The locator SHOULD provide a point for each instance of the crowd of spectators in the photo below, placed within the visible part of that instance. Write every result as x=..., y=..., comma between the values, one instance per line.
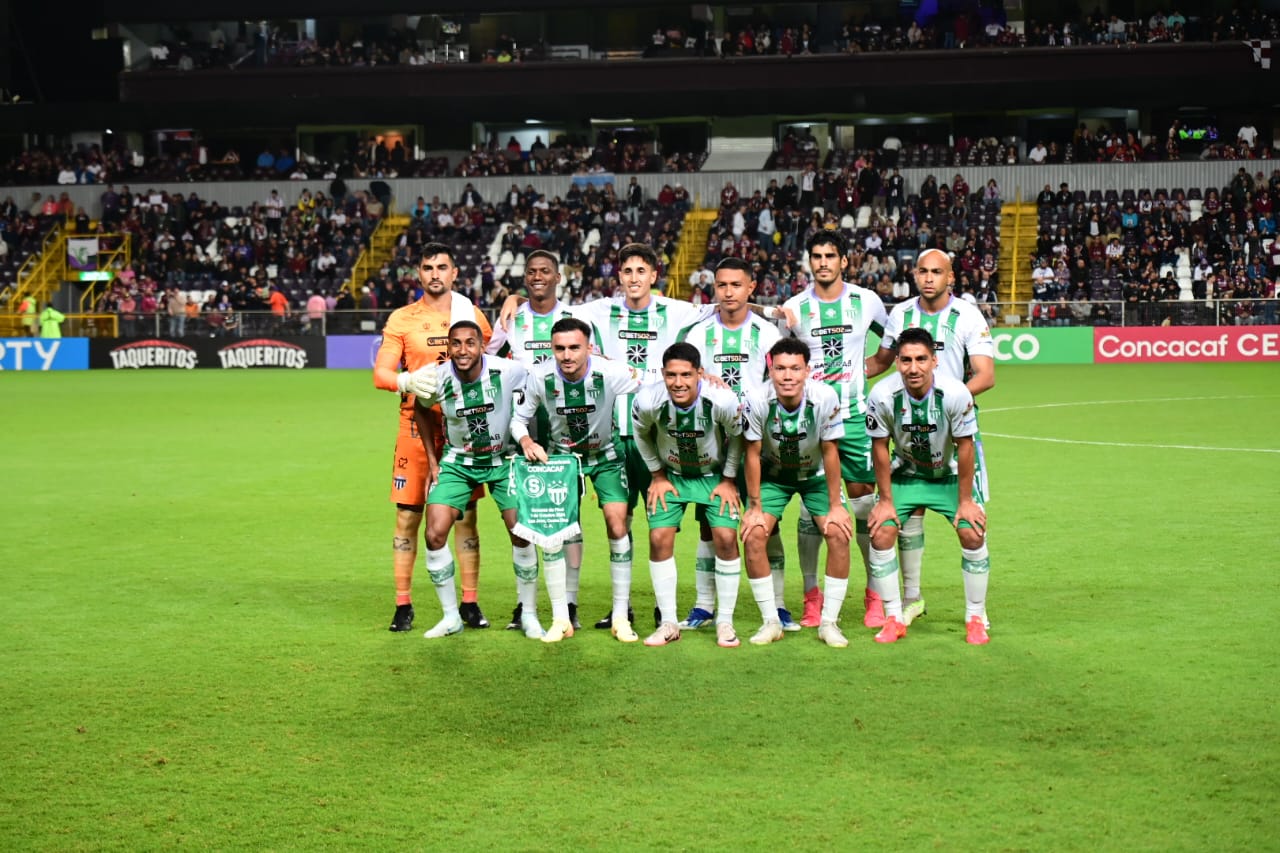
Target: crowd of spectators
x=630, y=154
x=1160, y=252
x=886, y=224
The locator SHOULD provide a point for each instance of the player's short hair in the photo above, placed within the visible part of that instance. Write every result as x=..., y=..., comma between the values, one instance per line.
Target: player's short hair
x=466, y=324
x=543, y=253
x=571, y=324
x=789, y=346
x=683, y=351
x=914, y=335
x=430, y=250
x=734, y=264
x=638, y=250
x=825, y=237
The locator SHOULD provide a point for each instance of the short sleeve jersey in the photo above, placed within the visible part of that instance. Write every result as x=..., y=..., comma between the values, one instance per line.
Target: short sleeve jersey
x=637, y=338
x=417, y=335
x=529, y=339
x=791, y=440
x=477, y=415
x=734, y=355
x=691, y=442
x=836, y=333
x=923, y=431
x=580, y=413
x=959, y=332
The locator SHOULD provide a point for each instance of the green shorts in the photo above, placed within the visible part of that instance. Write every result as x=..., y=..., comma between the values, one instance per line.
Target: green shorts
x=855, y=452
x=775, y=496
x=695, y=491
x=609, y=480
x=456, y=482
x=638, y=476
x=941, y=496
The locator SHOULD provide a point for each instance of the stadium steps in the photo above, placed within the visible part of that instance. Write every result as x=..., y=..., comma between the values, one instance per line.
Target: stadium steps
x=1019, y=226
x=40, y=276
x=692, y=251
x=381, y=248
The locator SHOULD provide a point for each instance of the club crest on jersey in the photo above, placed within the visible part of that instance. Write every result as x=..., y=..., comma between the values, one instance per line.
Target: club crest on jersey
x=400, y=482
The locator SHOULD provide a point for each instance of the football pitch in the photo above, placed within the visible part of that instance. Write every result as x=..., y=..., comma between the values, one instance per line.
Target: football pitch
x=195, y=586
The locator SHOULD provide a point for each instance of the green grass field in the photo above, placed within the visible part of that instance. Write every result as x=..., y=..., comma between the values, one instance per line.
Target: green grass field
x=195, y=584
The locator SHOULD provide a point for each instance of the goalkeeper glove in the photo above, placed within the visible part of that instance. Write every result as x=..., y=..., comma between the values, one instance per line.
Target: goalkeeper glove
x=422, y=383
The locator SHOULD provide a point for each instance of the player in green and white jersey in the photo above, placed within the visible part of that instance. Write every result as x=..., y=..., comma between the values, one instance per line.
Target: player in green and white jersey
x=689, y=434
x=577, y=395
x=792, y=428
x=635, y=330
x=477, y=396
x=528, y=340
x=931, y=421
x=966, y=353
x=732, y=342
x=834, y=318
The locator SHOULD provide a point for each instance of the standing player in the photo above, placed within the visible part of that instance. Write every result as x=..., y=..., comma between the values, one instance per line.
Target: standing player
x=689, y=435
x=792, y=431
x=966, y=354
x=577, y=395
x=931, y=419
x=833, y=317
x=732, y=343
x=476, y=395
x=416, y=336
x=636, y=330
x=528, y=340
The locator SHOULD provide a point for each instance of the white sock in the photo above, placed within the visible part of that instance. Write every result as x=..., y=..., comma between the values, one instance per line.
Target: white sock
x=833, y=593
x=976, y=566
x=727, y=577
x=911, y=548
x=860, y=509
x=663, y=573
x=704, y=576
x=441, y=569
x=553, y=572
x=573, y=560
x=884, y=580
x=762, y=589
x=808, y=540
x=620, y=573
x=525, y=561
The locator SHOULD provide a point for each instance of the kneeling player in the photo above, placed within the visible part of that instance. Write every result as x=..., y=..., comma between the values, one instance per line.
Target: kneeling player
x=932, y=423
x=476, y=395
x=689, y=435
x=792, y=427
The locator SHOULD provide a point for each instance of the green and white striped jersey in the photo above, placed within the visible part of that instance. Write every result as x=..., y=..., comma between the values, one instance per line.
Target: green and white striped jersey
x=638, y=338
x=836, y=333
x=477, y=415
x=959, y=331
x=580, y=414
x=923, y=431
x=791, y=441
x=700, y=441
x=529, y=338
x=734, y=355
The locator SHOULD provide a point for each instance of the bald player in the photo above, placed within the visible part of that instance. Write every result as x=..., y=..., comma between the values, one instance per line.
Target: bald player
x=966, y=353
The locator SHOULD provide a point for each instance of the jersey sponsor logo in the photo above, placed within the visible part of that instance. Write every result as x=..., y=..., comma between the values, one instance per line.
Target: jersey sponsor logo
x=153, y=353
x=537, y=344
x=475, y=410
x=686, y=433
x=824, y=331
x=630, y=335
x=263, y=352
x=731, y=357
x=793, y=437
x=919, y=427
x=575, y=410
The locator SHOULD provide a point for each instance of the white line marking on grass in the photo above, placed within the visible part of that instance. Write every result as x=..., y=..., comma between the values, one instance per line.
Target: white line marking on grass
x=986, y=411
x=985, y=434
